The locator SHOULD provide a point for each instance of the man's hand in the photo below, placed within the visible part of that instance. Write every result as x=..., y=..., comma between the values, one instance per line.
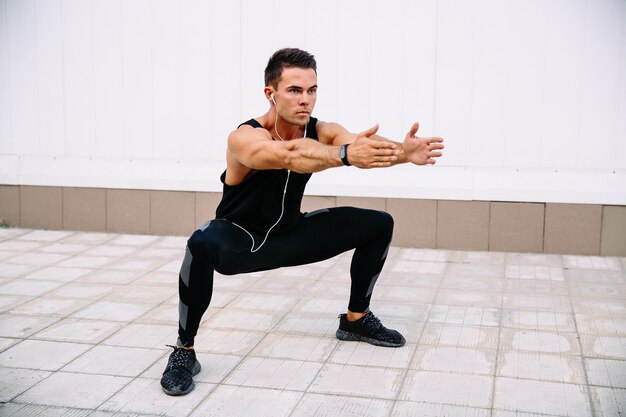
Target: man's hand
x=371, y=153
x=421, y=151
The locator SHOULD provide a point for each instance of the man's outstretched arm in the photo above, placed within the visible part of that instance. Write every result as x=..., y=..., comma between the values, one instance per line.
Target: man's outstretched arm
x=419, y=151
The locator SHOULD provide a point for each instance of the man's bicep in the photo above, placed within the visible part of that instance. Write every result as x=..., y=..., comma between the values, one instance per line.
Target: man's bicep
x=332, y=133
x=254, y=149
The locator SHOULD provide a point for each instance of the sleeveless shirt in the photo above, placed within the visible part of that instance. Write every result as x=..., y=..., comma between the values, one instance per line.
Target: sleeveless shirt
x=255, y=204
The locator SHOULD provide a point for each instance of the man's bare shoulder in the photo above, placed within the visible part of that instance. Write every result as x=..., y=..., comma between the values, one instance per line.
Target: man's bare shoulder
x=328, y=131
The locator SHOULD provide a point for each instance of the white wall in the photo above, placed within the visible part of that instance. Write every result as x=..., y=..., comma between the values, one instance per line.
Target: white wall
x=530, y=95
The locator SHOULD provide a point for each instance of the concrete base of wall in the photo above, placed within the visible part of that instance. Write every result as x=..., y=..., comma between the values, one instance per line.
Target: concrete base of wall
x=470, y=225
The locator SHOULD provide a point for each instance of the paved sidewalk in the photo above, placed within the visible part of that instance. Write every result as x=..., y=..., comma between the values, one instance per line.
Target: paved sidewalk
x=85, y=317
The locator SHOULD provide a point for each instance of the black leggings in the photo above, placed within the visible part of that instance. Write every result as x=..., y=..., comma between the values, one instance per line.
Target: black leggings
x=221, y=246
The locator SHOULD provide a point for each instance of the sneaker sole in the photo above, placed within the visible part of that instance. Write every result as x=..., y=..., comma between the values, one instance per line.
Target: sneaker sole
x=175, y=392
x=355, y=337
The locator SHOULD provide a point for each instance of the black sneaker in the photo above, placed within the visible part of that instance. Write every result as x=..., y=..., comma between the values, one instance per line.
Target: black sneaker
x=181, y=367
x=368, y=329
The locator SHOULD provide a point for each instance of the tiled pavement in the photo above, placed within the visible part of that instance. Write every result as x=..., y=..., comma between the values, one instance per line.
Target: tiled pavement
x=85, y=317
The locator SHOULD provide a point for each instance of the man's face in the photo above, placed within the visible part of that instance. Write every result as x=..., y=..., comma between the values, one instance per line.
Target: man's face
x=296, y=95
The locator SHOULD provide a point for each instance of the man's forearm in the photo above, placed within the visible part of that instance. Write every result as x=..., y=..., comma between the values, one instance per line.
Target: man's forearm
x=401, y=155
x=307, y=156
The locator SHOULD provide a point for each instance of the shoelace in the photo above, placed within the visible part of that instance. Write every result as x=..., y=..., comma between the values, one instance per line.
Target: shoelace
x=180, y=357
x=375, y=321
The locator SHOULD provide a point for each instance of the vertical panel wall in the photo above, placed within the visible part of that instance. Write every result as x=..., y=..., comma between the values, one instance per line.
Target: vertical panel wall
x=529, y=95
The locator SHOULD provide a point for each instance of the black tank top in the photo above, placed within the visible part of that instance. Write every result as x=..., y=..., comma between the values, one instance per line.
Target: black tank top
x=255, y=204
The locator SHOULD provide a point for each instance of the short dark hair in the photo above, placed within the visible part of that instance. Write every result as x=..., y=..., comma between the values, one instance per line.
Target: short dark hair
x=287, y=58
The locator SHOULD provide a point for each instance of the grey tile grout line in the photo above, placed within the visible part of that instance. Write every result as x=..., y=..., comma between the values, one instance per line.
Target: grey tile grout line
x=583, y=359
x=496, y=361
x=426, y=321
x=247, y=355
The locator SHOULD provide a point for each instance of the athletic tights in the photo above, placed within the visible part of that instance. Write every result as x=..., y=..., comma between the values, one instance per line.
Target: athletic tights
x=221, y=246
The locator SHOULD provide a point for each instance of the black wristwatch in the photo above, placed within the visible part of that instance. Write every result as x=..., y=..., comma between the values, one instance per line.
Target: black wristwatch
x=343, y=154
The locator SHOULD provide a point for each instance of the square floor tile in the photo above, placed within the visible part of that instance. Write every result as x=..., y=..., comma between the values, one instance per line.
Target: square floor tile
x=411, y=409
x=150, y=336
x=264, y=302
x=534, y=259
x=55, y=273
x=455, y=360
x=274, y=373
x=27, y=287
x=10, y=302
x=606, y=372
x=358, y=381
x=112, y=311
x=484, y=337
x=490, y=271
x=41, y=355
x=224, y=341
x=297, y=347
x=19, y=246
x=111, y=277
x=418, y=267
x=245, y=320
x=8, y=270
x=542, y=367
x=599, y=306
x=37, y=259
x=434, y=387
x=23, y=326
x=469, y=298
x=536, y=341
x=368, y=355
x=144, y=395
x=46, y=235
x=134, y=240
x=464, y=315
x=464, y=282
x=142, y=294
x=79, y=331
x=111, y=251
x=539, y=320
x=229, y=401
x=603, y=346
x=548, y=398
x=313, y=405
x=401, y=312
x=609, y=401
x=601, y=326
x=64, y=248
x=595, y=276
x=515, y=301
x=478, y=257
x=84, y=261
x=601, y=290
x=114, y=360
x=15, y=381
x=591, y=262
x=83, y=291
x=535, y=272
x=90, y=238
x=394, y=293
x=88, y=391
x=536, y=287
x=48, y=306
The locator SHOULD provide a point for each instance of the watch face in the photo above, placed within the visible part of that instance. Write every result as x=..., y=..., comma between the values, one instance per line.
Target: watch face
x=342, y=152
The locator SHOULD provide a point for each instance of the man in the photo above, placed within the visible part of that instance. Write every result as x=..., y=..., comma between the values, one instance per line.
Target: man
x=259, y=225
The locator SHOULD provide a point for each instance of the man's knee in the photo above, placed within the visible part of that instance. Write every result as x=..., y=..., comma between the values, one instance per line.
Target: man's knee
x=387, y=222
x=202, y=242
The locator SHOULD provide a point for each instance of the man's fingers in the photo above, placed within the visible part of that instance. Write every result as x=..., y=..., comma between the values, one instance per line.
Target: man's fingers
x=369, y=132
x=413, y=130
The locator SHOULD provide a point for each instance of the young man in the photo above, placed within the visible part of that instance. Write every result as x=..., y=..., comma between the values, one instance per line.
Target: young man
x=259, y=225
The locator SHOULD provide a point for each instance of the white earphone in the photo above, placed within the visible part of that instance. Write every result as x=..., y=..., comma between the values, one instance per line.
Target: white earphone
x=282, y=208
